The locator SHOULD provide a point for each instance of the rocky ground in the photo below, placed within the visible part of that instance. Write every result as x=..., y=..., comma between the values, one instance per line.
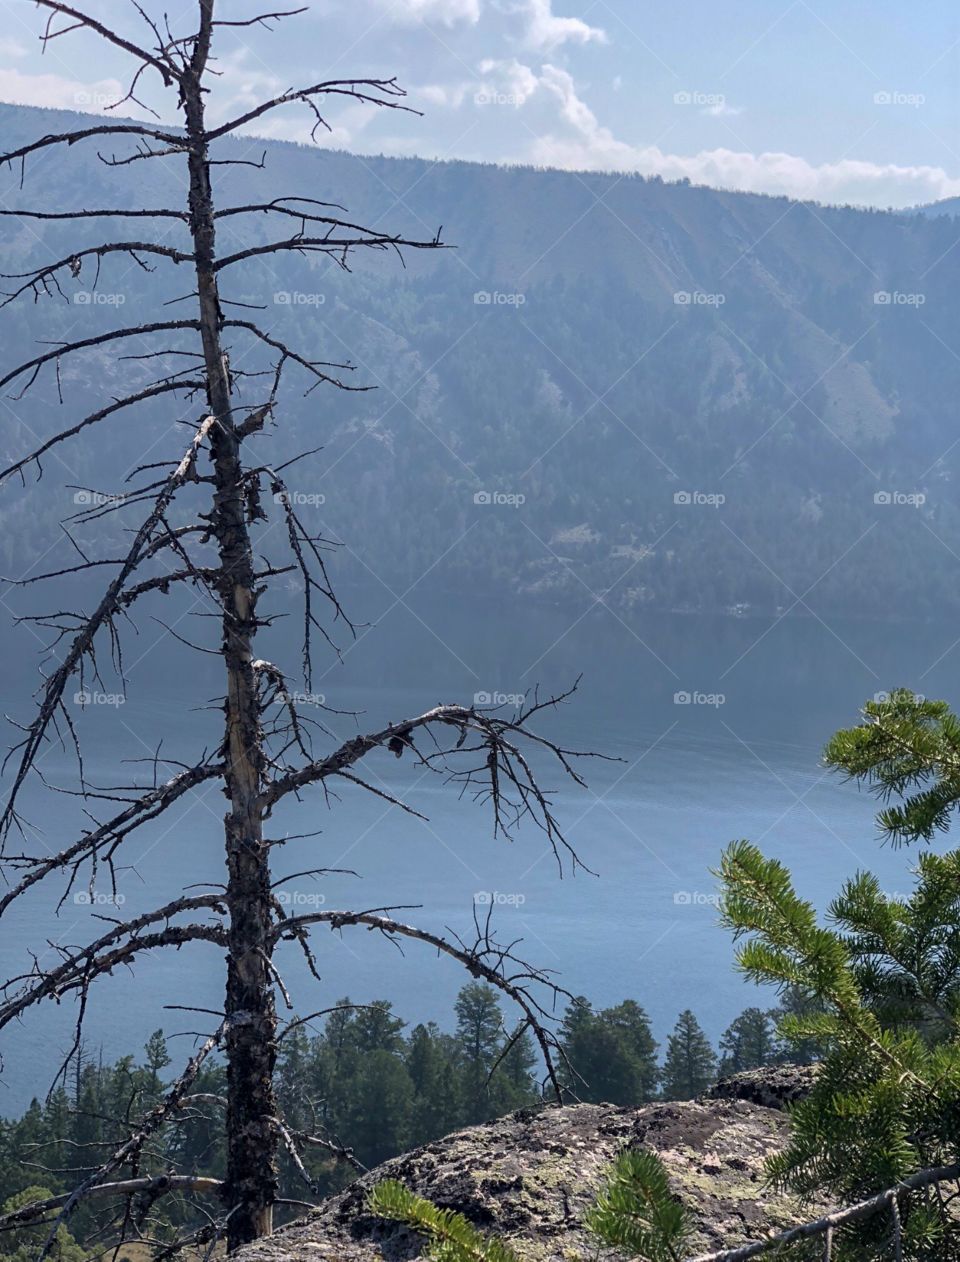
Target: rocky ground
x=530, y=1177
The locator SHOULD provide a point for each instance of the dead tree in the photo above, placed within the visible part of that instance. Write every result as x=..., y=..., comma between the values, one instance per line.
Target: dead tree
x=263, y=759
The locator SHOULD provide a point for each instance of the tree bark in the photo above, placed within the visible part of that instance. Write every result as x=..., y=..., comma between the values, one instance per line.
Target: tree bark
x=251, y=1183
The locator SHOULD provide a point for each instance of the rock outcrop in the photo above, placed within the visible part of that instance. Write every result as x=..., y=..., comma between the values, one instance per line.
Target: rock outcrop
x=774, y=1086
x=530, y=1178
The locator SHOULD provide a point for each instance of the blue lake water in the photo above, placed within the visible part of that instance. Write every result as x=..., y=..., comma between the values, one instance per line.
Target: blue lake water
x=694, y=776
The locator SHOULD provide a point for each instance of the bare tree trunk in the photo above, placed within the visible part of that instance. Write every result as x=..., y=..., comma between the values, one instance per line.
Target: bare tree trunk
x=251, y=1021
x=267, y=751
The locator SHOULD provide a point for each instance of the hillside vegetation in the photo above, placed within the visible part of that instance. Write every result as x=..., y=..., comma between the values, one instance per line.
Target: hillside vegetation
x=662, y=395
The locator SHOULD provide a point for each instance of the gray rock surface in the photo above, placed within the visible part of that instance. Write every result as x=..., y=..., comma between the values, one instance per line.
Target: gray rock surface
x=530, y=1178
x=774, y=1086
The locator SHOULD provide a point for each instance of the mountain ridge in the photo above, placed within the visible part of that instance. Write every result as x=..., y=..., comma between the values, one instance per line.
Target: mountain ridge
x=597, y=345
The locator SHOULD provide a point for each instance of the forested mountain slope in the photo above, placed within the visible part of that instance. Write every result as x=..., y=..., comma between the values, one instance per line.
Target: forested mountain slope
x=661, y=395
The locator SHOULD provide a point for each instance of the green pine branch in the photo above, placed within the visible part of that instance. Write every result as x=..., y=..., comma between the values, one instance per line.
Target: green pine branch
x=905, y=747
x=450, y=1237
x=636, y=1212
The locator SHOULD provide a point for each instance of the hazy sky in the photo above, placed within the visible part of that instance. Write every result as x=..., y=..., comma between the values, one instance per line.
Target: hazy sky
x=839, y=100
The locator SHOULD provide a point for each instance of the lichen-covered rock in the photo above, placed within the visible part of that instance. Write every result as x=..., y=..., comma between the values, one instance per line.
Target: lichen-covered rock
x=773, y=1086
x=531, y=1177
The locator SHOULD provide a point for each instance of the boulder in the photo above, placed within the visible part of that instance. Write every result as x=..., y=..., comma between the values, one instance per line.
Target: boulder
x=774, y=1086
x=531, y=1177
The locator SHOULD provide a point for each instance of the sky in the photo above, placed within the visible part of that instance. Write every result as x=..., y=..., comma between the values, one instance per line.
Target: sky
x=832, y=100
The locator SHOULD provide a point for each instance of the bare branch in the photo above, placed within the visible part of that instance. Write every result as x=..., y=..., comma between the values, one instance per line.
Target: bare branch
x=68, y=348
x=151, y=392
x=132, y=1146
x=314, y=367
x=175, y=143
x=165, y=69
x=38, y=280
x=263, y=18
x=386, y=93
x=503, y=775
x=122, y=1187
x=145, y=808
x=97, y=214
x=81, y=646
x=837, y=1217
x=485, y=960
x=332, y=1146
x=80, y=968
x=331, y=244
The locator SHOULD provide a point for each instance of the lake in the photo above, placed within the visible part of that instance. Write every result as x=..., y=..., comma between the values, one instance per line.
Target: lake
x=718, y=726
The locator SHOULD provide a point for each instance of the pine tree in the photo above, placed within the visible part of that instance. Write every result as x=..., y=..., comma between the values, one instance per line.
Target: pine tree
x=749, y=1042
x=376, y=1113
x=24, y=1244
x=157, y=1057
x=806, y=1050
x=883, y=981
x=374, y=1028
x=612, y=1054
x=513, y=1080
x=437, y=1105
x=480, y=1036
x=690, y=1065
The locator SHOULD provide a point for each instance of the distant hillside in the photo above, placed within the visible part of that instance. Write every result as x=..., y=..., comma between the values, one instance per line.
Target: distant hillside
x=948, y=206
x=655, y=394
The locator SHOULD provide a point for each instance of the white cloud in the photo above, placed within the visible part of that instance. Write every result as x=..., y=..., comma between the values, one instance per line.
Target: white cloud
x=436, y=93
x=449, y=12
x=58, y=92
x=508, y=78
x=499, y=81
x=546, y=31
x=586, y=144
x=450, y=94
x=241, y=86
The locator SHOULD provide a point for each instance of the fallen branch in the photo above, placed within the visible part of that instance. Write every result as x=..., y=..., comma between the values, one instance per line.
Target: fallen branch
x=836, y=1218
